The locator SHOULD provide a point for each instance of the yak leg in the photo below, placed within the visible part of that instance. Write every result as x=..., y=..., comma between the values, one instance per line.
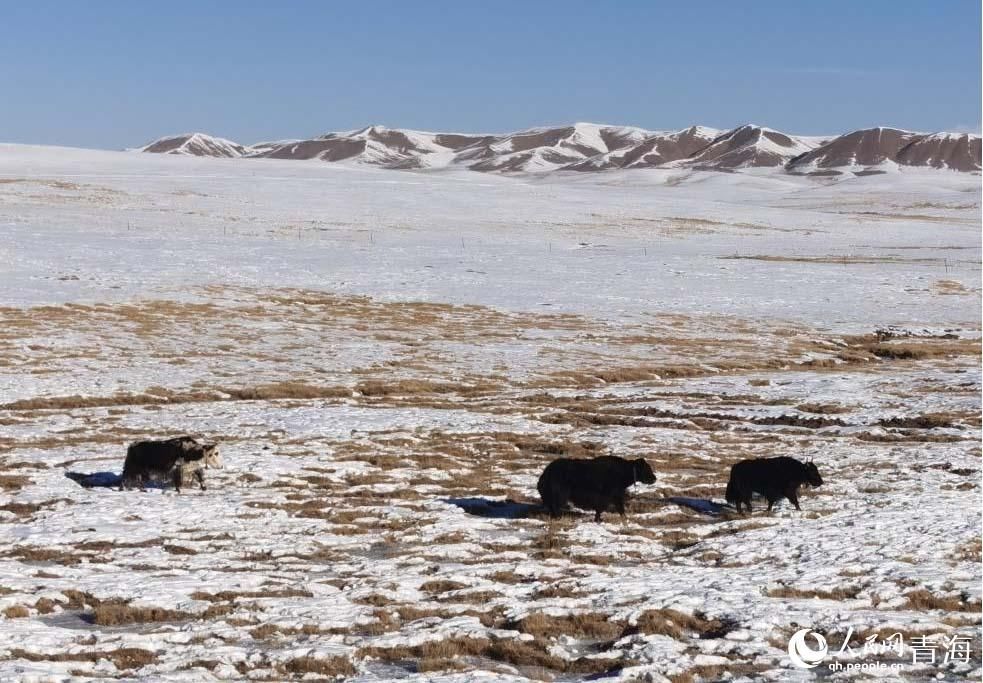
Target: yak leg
x=793, y=496
x=552, y=507
x=619, y=505
x=177, y=478
x=556, y=500
x=200, y=476
x=555, y=504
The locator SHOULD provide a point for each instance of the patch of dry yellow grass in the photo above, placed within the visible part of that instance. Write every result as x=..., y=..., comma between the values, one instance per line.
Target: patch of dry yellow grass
x=838, y=593
x=923, y=599
x=125, y=658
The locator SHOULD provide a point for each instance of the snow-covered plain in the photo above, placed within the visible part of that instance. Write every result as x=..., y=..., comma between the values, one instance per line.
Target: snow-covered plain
x=387, y=357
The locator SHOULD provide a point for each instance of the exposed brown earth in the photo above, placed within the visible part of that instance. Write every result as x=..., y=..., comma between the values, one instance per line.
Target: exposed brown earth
x=874, y=146
x=196, y=144
x=739, y=148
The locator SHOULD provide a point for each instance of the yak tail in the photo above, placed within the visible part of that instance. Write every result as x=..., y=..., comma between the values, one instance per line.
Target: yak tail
x=731, y=494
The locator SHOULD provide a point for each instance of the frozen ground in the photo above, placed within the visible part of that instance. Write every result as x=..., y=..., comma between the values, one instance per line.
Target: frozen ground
x=387, y=358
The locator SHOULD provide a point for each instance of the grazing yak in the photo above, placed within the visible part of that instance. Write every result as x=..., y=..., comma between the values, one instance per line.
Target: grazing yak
x=178, y=459
x=773, y=478
x=596, y=484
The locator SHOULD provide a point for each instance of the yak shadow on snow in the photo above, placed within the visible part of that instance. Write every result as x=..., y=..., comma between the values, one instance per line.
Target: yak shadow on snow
x=95, y=479
x=79, y=620
x=109, y=480
x=510, y=509
x=701, y=505
x=497, y=509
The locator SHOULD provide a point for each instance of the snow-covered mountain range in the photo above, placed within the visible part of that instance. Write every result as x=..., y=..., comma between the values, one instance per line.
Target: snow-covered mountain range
x=593, y=147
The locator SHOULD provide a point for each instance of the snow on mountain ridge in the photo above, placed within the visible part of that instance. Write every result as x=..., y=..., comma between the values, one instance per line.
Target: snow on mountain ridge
x=746, y=146
x=873, y=150
x=585, y=146
x=195, y=144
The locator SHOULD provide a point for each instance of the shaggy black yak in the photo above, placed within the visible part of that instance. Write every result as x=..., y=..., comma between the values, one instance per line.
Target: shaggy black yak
x=177, y=459
x=596, y=484
x=773, y=478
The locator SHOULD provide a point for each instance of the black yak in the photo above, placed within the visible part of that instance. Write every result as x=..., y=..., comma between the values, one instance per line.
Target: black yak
x=178, y=459
x=773, y=478
x=596, y=484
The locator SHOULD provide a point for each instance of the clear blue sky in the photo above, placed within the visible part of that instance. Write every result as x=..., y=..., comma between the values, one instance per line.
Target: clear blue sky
x=115, y=74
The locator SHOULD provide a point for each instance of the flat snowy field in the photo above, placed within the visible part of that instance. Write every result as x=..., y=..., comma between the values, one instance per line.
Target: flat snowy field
x=389, y=359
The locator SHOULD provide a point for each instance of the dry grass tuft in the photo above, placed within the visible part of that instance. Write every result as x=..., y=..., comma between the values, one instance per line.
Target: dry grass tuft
x=207, y=664
x=231, y=596
x=410, y=387
x=678, y=540
x=514, y=652
x=472, y=598
x=76, y=401
x=438, y=664
x=719, y=672
x=970, y=551
x=56, y=555
x=950, y=287
x=160, y=396
x=45, y=605
x=557, y=590
x=510, y=577
x=16, y=612
x=28, y=509
x=838, y=593
x=678, y=625
x=20, y=509
x=286, y=390
x=179, y=549
x=591, y=625
x=409, y=613
x=900, y=437
x=442, y=586
x=924, y=421
x=913, y=351
x=333, y=667
x=14, y=482
x=923, y=599
x=549, y=543
x=120, y=614
x=124, y=659
x=374, y=599
x=106, y=546
x=823, y=408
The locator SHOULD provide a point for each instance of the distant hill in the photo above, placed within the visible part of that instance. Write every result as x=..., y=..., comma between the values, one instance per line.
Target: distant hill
x=589, y=147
